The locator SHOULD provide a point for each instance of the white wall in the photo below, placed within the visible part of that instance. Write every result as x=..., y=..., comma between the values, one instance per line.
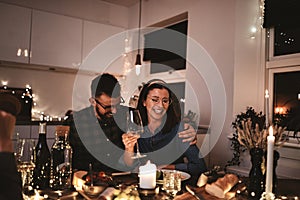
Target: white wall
x=249, y=71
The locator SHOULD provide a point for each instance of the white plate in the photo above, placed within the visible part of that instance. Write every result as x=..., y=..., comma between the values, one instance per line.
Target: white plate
x=184, y=175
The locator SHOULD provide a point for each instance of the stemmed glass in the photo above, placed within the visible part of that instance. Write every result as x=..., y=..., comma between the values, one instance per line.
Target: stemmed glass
x=135, y=127
x=25, y=163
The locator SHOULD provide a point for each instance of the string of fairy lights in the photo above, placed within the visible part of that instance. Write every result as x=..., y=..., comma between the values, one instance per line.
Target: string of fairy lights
x=29, y=98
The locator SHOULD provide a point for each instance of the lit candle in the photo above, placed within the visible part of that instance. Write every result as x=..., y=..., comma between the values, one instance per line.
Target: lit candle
x=267, y=107
x=270, y=151
x=147, y=175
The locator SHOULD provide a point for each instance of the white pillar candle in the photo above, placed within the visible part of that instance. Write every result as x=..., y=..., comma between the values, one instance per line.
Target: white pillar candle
x=147, y=175
x=267, y=107
x=270, y=152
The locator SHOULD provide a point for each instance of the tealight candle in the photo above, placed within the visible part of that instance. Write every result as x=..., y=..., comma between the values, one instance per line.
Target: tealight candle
x=147, y=175
x=270, y=151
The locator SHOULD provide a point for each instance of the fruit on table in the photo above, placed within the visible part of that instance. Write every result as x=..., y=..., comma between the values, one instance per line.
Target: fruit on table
x=97, y=177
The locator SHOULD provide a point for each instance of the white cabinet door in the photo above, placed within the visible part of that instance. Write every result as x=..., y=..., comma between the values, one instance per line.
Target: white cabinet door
x=15, y=32
x=94, y=34
x=56, y=40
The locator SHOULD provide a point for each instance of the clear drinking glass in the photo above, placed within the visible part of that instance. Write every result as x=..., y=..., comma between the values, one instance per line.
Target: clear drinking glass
x=135, y=127
x=171, y=182
x=25, y=163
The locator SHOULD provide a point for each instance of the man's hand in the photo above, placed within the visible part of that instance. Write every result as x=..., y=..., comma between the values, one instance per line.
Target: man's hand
x=7, y=126
x=188, y=134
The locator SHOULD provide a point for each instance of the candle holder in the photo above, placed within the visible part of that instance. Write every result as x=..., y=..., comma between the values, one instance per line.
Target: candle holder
x=267, y=196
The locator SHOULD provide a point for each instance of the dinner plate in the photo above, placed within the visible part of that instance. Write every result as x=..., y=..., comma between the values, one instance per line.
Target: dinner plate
x=184, y=176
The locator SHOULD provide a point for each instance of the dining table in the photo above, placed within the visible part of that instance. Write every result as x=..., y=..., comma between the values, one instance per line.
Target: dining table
x=128, y=182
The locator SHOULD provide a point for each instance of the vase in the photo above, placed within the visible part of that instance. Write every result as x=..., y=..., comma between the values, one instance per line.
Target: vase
x=276, y=157
x=256, y=178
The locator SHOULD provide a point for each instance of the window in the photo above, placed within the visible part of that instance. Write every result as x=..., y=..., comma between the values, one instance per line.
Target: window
x=282, y=21
x=287, y=98
x=283, y=17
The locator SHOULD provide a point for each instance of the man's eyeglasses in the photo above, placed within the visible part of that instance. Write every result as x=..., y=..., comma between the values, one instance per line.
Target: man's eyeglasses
x=108, y=108
x=165, y=101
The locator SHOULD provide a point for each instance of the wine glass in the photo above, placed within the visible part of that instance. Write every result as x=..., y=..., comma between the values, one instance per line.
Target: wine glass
x=135, y=127
x=25, y=164
x=171, y=182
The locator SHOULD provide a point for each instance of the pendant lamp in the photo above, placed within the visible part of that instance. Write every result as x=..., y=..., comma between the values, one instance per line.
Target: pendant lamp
x=138, y=61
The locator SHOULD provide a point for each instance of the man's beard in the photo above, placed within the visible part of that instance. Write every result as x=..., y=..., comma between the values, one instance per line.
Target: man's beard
x=106, y=117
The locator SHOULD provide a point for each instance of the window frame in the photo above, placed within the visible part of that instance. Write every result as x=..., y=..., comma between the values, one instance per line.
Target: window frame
x=280, y=64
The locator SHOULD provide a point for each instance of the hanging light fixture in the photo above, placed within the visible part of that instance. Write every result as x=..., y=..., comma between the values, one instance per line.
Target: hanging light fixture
x=138, y=61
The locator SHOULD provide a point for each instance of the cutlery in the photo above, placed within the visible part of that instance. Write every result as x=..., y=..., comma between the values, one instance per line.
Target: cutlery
x=189, y=189
x=120, y=173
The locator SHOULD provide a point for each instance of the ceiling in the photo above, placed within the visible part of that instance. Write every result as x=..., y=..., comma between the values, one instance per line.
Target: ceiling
x=126, y=3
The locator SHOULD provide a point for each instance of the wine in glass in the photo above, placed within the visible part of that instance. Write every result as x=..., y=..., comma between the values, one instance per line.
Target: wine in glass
x=25, y=164
x=135, y=127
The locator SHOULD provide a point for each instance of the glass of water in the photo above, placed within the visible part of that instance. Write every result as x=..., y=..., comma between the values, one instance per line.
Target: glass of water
x=171, y=182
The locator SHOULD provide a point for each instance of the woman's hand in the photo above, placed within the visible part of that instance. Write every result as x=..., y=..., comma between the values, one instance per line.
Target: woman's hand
x=129, y=141
x=188, y=134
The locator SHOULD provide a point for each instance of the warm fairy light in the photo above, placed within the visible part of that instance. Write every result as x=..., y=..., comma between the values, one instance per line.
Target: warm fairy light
x=4, y=83
x=253, y=29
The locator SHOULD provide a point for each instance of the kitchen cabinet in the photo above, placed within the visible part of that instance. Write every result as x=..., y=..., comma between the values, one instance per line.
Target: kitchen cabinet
x=56, y=40
x=95, y=33
x=52, y=40
x=15, y=25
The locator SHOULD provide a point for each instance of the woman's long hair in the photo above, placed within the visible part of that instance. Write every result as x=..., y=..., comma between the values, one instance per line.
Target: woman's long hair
x=173, y=114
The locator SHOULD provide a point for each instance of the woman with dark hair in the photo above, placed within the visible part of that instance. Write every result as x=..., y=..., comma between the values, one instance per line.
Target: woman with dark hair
x=160, y=141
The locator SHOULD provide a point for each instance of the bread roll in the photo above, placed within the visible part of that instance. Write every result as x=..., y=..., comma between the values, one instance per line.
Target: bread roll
x=222, y=185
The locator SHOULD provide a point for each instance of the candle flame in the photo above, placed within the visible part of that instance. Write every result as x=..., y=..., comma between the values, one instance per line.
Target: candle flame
x=266, y=94
x=271, y=131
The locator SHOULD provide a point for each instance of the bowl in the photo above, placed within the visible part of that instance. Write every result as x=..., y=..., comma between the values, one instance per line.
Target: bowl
x=94, y=190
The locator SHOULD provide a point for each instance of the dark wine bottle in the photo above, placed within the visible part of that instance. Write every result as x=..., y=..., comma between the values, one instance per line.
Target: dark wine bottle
x=41, y=173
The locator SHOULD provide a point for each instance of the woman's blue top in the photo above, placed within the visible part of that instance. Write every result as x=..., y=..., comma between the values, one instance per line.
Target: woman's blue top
x=167, y=148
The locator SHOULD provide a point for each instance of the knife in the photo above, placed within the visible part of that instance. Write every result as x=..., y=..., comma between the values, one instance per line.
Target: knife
x=198, y=197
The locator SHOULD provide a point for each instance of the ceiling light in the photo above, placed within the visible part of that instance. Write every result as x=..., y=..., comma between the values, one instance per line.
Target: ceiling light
x=138, y=62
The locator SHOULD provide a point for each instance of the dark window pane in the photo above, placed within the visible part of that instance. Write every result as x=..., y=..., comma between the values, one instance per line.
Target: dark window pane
x=286, y=99
x=287, y=40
